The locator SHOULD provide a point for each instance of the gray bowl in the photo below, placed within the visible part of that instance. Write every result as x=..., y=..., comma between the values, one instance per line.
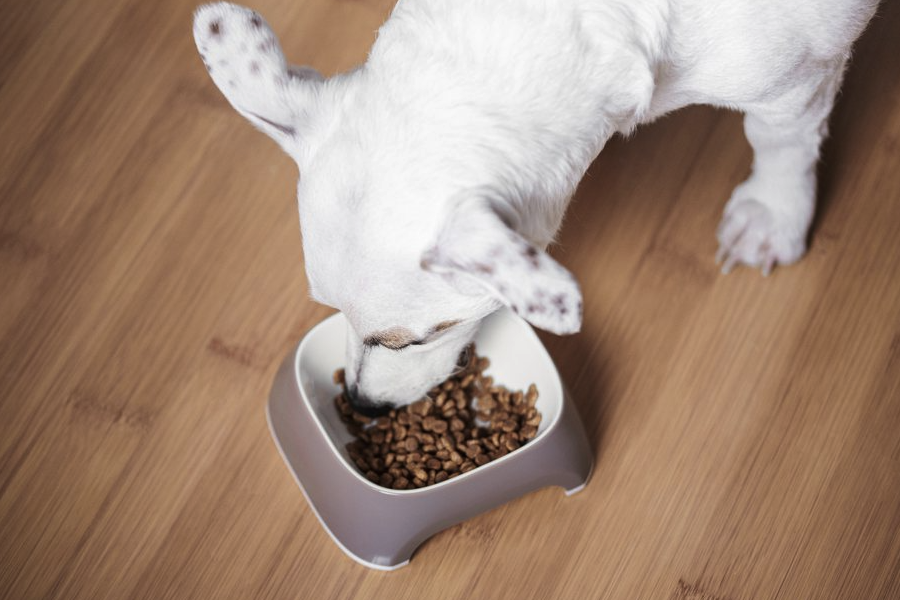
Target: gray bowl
x=379, y=527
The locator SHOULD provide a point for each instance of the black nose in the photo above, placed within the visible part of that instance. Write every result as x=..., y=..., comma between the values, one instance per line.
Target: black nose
x=366, y=407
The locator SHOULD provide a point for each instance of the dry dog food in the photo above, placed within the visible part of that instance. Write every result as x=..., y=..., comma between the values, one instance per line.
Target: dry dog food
x=460, y=425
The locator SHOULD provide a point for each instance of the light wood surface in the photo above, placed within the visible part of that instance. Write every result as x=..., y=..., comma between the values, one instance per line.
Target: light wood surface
x=747, y=430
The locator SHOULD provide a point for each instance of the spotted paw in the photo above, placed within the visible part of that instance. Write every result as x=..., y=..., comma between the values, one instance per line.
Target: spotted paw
x=754, y=235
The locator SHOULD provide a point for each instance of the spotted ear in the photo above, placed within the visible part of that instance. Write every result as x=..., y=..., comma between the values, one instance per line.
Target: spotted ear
x=245, y=61
x=475, y=245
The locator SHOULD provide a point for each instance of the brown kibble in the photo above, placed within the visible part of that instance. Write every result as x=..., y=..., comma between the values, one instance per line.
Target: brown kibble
x=360, y=418
x=531, y=395
x=420, y=407
x=528, y=431
x=438, y=437
x=486, y=403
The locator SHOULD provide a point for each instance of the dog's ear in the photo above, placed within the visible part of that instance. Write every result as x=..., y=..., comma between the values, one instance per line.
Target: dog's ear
x=475, y=245
x=245, y=61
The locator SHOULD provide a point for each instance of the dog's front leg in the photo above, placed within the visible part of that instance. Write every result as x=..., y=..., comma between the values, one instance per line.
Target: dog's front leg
x=767, y=219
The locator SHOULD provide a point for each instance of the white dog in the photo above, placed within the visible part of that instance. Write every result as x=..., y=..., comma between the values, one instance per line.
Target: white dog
x=433, y=177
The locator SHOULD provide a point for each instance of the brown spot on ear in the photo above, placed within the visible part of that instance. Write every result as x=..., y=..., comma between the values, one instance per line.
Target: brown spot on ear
x=256, y=21
x=254, y=68
x=559, y=301
x=531, y=254
x=215, y=27
x=267, y=46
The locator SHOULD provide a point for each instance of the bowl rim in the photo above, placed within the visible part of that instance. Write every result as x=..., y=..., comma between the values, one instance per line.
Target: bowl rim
x=502, y=313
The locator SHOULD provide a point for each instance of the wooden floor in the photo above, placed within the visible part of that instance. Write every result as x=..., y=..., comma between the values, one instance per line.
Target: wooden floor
x=747, y=431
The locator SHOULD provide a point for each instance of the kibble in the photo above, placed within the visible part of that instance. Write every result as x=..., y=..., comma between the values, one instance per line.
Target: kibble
x=461, y=424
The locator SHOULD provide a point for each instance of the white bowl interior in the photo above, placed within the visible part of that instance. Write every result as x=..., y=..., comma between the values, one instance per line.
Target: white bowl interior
x=517, y=357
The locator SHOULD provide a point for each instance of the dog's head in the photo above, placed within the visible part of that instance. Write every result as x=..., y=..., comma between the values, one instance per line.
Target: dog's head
x=397, y=234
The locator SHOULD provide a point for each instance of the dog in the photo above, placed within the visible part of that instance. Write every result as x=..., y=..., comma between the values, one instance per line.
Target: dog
x=434, y=176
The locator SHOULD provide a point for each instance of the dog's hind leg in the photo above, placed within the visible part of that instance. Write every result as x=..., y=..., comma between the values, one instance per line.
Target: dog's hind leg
x=767, y=219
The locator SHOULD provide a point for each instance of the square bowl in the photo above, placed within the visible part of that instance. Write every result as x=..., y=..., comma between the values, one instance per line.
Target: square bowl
x=381, y=527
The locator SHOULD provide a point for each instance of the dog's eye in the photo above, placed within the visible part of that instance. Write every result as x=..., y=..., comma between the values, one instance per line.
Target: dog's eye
x=393, y=339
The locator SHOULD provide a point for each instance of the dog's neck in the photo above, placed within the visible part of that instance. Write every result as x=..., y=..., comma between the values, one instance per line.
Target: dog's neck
x=493, y=78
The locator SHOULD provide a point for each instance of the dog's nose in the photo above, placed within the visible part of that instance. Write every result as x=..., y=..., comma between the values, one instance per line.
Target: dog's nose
x=366, y=407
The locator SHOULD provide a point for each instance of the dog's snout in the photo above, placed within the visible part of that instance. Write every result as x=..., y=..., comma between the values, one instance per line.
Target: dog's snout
x=364, y=406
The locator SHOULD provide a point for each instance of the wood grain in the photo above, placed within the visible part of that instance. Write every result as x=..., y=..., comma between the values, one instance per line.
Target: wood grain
x=747, y=431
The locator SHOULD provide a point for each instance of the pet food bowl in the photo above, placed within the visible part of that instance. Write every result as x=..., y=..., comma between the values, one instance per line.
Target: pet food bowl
x=380, y=527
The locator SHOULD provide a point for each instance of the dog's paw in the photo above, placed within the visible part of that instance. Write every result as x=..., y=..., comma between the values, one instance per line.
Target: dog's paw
x=753, y=234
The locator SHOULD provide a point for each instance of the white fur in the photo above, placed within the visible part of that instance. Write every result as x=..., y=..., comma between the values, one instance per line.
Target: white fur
x=435, y=175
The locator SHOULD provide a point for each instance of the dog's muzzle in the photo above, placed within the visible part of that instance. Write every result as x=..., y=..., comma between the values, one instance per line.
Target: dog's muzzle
x=366, y=407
